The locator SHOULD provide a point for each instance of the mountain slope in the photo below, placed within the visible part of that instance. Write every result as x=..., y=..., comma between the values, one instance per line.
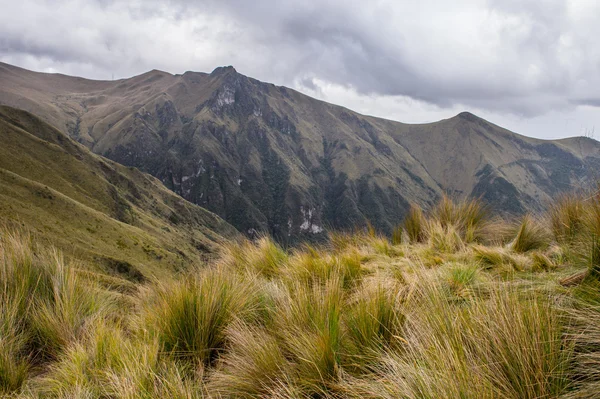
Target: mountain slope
x=269, y=158
x=96, y=209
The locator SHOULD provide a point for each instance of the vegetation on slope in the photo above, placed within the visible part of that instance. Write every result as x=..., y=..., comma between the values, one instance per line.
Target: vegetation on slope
x=115, y=218
x=452, y=314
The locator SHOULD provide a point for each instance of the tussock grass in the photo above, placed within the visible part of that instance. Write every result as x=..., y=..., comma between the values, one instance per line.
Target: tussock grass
x=191, y=317
x=62, y=317
x=501, y=347
x=497, y=232
x=567, y=217
x=253, y=367
x=531, y=235
x=453, y=309
x=311, y=267
x=111, y=364
x=263, y=257
x=414, y=224
x=461, y=278
x=309, y=325
x=490, y=256
x=398, y=235
x=468, y=217
x=14, y=365
x=374, y=323
x=444, y=238
x=584, y=332
x=45, y=307
x=541, y=262
x=500, y=259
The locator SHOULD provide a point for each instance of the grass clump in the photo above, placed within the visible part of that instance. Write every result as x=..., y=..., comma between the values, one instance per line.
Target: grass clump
x=14, y=364
x=62, y=316
x=109, y=363
x=265, y=256
x=461, y=278
x=191, y=317
x=444, y=238
x=414, y=224
x=398, y=235
x=254, y=365
x=468, y=217
x=45, y=307
x=374, y=323
x=501, y=347
x=531, y=235
x=310, y=327
x=312, y=267
x=567, y=217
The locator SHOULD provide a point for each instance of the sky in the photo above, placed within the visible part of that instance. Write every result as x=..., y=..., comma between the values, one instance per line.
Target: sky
x=532, y=66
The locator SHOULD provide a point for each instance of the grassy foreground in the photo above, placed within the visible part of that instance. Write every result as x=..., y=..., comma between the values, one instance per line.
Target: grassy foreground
x=455, y=305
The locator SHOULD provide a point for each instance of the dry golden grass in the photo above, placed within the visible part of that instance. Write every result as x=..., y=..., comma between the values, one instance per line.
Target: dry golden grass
x=360, y=318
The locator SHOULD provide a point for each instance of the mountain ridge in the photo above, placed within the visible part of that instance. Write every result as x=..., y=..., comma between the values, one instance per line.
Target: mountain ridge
x=269, y=158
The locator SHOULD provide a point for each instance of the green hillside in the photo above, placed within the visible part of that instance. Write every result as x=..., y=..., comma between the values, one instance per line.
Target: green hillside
x=116, y=217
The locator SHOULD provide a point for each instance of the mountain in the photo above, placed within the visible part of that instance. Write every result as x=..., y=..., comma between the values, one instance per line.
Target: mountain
x=103, y=212
x=268, y=158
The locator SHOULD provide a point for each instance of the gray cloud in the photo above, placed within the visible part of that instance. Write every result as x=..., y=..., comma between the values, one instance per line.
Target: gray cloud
x=511, y=56
x=523, y=58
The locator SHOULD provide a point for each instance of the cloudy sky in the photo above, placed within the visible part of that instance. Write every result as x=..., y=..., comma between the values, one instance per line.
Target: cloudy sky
x=532, y=66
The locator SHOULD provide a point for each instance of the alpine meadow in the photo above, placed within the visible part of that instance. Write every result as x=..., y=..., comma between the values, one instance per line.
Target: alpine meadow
x=167, y=233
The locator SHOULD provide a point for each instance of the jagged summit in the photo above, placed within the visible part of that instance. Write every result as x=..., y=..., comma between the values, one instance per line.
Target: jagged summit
x=223, y=69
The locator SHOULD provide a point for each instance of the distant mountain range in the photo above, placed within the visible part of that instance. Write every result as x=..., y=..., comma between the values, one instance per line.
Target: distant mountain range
x=270, y=159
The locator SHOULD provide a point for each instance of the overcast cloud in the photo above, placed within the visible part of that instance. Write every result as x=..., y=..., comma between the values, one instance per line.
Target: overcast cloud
x=530, y=66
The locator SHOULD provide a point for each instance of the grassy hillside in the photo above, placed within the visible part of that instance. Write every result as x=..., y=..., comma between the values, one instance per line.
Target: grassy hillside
x=457, y=305
x=268, y=158
x=117, y=218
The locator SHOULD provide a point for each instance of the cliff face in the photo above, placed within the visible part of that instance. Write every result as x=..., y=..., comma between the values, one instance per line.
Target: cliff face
x=268, y=158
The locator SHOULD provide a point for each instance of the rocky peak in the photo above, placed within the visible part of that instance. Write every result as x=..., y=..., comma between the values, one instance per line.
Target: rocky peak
x=468, y=116
x=222, y=70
